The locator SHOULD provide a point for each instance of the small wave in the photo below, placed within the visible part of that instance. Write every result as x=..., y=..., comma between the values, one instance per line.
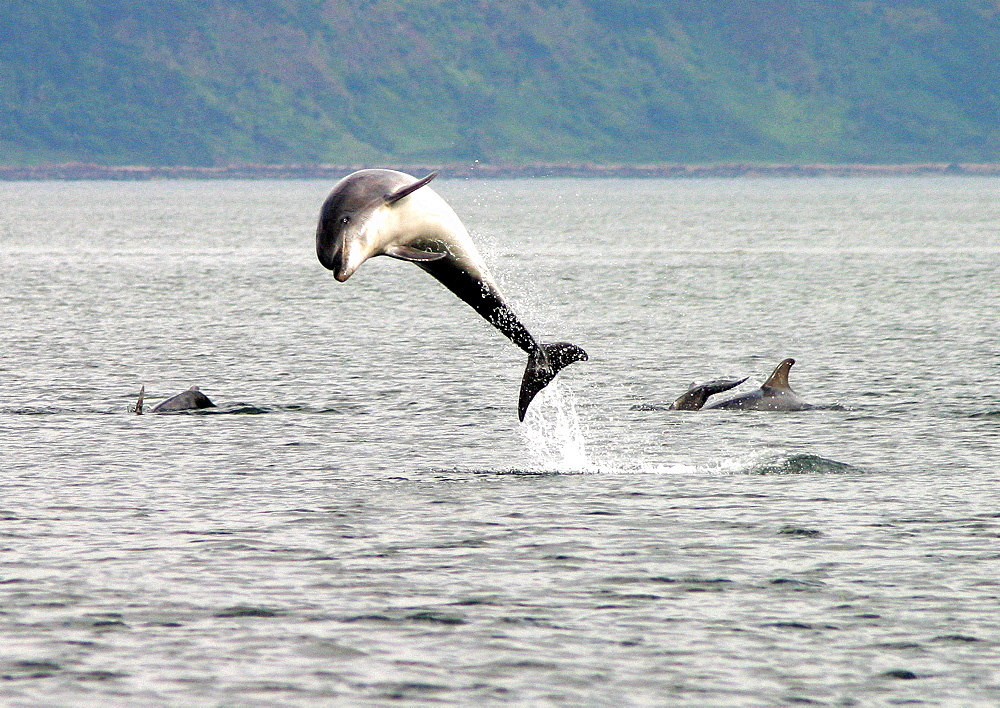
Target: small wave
x=248, y=611
x=516, y=472
x=50, y=410
x=612, y=467
x=245, y=409
x=429, y=616
x=253, y=409
x=33, y=411
x=985, y=414
x=747, y=464
x=232, y=409
x=801, y=464
x=832, y=407
x=752, y=464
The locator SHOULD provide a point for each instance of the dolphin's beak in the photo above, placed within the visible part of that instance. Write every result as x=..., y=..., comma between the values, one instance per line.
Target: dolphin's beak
x=332, y=259
x=341, y=273
x=339, y=263
x=330, y=252
x=339, y=250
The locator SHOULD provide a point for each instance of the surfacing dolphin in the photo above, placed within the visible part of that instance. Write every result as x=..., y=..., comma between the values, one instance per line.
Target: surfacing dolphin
x=694, y=398
x=379, y=212
x=192, y=399
x=774, y=395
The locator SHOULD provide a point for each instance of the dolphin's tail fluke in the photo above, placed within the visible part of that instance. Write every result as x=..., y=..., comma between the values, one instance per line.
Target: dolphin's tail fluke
x=543, y=365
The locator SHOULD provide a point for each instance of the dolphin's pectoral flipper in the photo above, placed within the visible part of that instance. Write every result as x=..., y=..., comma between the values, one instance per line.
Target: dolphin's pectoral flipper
x=543, y=365
x=408, y=253
x=694, y=398
x=719, y=385
x=138, y=403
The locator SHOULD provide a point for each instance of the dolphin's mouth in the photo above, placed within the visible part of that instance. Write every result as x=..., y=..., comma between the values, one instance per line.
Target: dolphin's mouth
x=341, y=267
x=334, y=261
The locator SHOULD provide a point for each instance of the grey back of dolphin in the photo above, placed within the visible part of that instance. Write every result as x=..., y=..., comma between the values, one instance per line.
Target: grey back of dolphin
x=379, y=212
x=774, y=395
x=192, y=399
x=694, y=398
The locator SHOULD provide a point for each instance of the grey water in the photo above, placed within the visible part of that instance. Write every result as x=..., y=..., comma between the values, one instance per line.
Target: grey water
x=363, y=520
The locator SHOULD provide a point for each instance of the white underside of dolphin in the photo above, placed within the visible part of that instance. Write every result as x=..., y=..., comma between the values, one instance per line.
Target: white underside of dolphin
x=380, y=212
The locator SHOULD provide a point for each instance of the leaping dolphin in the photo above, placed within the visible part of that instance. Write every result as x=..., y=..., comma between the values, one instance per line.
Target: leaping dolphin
x=774, y=395
x=377, y=212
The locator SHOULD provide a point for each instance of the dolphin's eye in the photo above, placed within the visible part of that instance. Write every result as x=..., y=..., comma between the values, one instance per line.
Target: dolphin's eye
x=345, y=219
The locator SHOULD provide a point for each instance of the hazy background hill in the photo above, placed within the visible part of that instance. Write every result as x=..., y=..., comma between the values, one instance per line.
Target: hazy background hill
x=337, y=81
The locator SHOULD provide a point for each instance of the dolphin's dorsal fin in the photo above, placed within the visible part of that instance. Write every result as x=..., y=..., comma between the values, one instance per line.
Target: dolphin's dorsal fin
x=779, y=377
x=409, y=253
x=409, y=189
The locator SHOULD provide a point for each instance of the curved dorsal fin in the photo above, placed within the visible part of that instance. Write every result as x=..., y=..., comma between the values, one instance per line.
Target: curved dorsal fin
x=409, y=189
x=779, y=377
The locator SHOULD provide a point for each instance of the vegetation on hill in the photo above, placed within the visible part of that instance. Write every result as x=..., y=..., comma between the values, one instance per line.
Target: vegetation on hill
x=365, y=81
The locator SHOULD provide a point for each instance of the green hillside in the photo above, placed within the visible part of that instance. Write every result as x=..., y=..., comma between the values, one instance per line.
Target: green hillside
x=517, y=81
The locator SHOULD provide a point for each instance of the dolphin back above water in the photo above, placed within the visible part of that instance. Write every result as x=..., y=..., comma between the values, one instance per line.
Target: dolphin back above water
x=379, y=212
x=192, y=399
x=774, y=395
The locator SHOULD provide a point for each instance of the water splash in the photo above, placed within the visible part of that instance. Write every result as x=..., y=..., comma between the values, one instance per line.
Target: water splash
x=556, y=439
x=552, y=431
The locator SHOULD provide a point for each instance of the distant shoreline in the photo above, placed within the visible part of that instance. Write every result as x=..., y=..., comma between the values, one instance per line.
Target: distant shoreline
x=88, y=171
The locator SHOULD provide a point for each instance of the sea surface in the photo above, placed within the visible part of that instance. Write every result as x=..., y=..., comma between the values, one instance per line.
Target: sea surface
x=363, y=521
